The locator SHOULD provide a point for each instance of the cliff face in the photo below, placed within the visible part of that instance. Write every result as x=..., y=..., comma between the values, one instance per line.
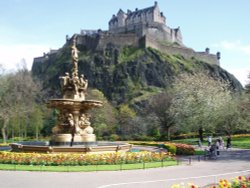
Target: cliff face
x=125, y=75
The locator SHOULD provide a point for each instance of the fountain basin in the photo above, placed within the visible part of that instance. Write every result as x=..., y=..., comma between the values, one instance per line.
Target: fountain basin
x=99, y=147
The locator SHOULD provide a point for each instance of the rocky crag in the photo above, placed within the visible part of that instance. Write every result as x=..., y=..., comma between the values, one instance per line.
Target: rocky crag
x=125, y=75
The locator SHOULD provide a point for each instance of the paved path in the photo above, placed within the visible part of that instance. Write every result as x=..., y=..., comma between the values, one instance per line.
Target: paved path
x=201, y=173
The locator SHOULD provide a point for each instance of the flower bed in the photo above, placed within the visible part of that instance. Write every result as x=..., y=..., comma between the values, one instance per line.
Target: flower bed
x=82, y=159
x=238, y=182
x=174, y=148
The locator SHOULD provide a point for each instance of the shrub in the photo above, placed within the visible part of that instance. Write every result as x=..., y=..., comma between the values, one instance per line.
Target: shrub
x=174, y=148
x=114, y=137
x=170, y=147
x=184, y=149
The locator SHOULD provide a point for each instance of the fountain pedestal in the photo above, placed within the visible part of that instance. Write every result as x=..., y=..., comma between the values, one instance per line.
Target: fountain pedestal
x=73, y=125
x=66, y=139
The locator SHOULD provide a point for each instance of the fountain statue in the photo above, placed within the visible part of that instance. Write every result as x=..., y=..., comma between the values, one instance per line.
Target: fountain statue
x=73, y=126
x=73, y=132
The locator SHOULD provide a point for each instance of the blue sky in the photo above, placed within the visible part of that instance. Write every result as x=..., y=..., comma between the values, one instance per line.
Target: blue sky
x=29, y=27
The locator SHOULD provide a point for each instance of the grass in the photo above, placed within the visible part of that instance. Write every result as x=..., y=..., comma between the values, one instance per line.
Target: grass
x=242, y=142
x=88, y=168
x=199, y=152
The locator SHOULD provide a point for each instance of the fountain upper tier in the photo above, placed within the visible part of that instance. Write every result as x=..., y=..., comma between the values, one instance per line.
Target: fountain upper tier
x=73, y=104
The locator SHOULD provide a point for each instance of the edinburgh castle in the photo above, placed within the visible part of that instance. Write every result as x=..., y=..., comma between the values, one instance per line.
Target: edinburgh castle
x=139, y=28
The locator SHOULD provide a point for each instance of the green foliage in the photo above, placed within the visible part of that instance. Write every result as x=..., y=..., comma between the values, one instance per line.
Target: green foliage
x=50, y=122
x=129, y=54
x=174, y=148
x=170, y=147
x=36, y=121
x=17, y=100
x=104, y=119
x=197, y=106
x=114, y=137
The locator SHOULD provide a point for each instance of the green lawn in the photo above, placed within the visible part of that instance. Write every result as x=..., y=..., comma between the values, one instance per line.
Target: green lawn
x=241, y=142
x=86, y=168
x=237, y=142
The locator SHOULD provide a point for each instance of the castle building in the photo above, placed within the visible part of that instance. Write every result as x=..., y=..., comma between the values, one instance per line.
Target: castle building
x=139, y=28
x=148, y=21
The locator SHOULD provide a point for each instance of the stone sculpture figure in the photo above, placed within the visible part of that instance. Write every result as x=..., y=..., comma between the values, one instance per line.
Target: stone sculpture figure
x=75, y=82
x=84, y=124
x=64, y=80
x=74, y=56
x=83, y=86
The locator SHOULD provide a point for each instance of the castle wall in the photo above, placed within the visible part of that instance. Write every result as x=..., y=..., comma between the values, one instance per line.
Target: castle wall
x=88, y=41
x=118, y=40
x=185, y=52
x=101, y=41
x=39, y=59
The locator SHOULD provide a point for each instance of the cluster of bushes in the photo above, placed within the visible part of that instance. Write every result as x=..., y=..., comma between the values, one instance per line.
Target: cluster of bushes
x=82, y=159
x=174, y=148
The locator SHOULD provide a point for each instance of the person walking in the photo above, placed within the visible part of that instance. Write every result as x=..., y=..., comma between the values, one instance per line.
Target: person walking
x=229, y=142
x=209, y=140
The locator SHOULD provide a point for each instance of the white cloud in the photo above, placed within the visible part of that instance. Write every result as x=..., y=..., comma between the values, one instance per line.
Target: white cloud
x=228, y=45
x=233, y=45
x=246, y=49
x=11, y=55
x=241, y=74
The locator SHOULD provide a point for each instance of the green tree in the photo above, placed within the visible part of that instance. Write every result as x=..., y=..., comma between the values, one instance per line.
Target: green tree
x=17, y=97
x=197, y=100
x=50, y=120
x=36, y=121
x=159, y=106
x=233, y=116
x=126, y=115
x=104, y=119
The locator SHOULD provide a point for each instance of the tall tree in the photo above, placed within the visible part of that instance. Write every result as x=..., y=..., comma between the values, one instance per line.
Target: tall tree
x=126, y=114
x=17, y=96
x=234, y=116
x=197, y=99
x=159, y=105
x=104, y=119
x=36, y=121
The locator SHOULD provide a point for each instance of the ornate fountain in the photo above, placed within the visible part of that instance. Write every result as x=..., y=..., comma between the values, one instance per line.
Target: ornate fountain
x=73, y=132
x=73, y=125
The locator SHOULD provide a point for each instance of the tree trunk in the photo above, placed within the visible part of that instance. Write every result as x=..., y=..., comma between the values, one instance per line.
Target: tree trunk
x=200, y=133
x=37, y=132
x=5, y=123
x=168, y=133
